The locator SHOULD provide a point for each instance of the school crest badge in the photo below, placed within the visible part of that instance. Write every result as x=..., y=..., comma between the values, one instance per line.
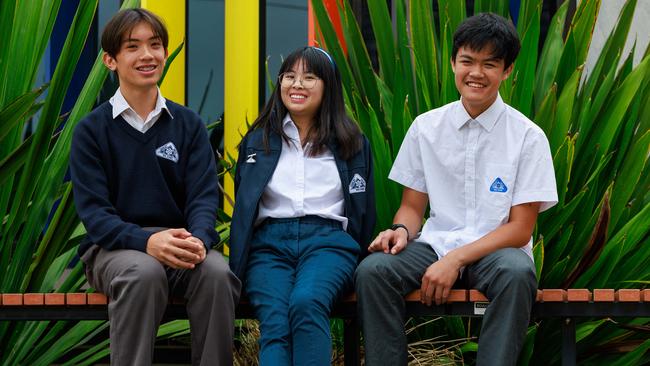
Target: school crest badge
x=498, y=186
x=168, y=151
x=358, y=184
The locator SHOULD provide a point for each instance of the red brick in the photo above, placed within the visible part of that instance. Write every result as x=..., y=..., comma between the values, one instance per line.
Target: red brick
x=628, y=295
x=578, y=295
x=645, y=295
x=97, y=298
x=604, y=295
x=75, y=299
x=477, y=296
x=33, y=299
x=12, y=299
x=554, y=295
x=54, y=299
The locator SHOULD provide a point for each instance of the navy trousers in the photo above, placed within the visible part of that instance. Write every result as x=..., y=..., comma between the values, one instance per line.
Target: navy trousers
x=297, y=269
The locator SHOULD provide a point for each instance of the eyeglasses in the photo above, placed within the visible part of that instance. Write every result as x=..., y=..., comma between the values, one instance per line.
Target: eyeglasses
x=287, y=79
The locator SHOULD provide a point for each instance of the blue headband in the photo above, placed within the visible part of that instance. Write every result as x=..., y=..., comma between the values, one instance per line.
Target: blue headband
x=326, y=54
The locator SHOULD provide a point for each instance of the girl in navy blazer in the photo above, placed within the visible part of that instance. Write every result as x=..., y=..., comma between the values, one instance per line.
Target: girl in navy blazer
x=304, y=209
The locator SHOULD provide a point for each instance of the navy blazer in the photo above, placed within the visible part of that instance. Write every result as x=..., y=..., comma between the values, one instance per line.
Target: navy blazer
x=252, y=177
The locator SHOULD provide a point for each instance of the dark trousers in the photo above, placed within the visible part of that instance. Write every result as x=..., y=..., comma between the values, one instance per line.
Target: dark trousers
x=506, y=277
x=297, y=269
x=139, y=286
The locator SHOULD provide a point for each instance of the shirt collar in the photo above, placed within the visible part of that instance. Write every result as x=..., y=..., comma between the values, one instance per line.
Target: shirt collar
x=289, y=127
x=120, y=104
x=487, y=119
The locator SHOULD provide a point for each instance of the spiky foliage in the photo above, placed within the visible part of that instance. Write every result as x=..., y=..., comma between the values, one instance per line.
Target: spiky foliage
x=596, y=121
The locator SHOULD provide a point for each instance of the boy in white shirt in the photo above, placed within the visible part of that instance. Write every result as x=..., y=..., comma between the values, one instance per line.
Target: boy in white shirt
x=486, y=171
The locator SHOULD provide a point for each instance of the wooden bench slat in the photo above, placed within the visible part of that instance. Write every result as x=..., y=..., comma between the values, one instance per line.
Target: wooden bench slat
x=604, y=295
x=33, y=299
x=12, y=299
x=75, y=299
x=628, y=295
x=578, y=295
x=477, y=296
x=55, y=299
x=645, y=295
x=456, y=295
x=554, y=295
x=97, y=298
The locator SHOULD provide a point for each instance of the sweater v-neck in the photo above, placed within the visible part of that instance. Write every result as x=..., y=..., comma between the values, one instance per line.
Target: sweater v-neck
x=147, y=135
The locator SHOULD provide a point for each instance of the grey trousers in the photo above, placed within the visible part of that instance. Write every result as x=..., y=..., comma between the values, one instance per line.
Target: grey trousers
x=506, y=277
x=139, y=286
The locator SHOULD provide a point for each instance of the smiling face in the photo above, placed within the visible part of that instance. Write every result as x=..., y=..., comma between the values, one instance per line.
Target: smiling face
x=302, y=103
x=141, y=59
x=478, y=75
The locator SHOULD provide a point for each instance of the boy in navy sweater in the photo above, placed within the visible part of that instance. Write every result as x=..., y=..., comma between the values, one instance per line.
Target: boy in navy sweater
x=145, y=187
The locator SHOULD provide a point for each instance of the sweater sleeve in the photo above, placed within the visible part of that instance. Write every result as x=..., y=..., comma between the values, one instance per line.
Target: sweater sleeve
x=202, y=197
x=91, y=196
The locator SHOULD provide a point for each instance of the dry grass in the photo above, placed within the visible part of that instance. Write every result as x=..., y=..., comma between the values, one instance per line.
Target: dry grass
x=247, y=332
x=432, y=351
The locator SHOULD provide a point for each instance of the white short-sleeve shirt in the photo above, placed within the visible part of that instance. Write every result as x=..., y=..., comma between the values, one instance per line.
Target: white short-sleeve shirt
x=303, y=185
x=474, y=170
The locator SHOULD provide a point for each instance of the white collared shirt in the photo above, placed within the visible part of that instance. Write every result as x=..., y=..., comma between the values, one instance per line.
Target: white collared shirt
x=122, y=107
x=302, y=185
x=474, y=171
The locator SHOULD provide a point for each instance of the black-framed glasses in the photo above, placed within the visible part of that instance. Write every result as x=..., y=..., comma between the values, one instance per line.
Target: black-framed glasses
x=308, y=81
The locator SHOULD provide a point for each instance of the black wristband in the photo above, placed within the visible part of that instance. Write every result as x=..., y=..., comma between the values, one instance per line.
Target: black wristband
x=397, y=226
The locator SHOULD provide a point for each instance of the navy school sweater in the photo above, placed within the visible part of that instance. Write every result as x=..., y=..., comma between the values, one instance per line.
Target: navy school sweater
x=124, y=180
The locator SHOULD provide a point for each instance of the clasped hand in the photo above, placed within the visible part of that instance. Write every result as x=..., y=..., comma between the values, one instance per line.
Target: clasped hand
x=176, y=248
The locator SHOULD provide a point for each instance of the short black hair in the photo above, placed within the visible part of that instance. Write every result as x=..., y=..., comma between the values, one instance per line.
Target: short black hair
x=121, y=25
x=488, y=30
x=332, y=124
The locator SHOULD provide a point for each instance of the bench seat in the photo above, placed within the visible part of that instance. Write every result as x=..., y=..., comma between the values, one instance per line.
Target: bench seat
x=550, y=303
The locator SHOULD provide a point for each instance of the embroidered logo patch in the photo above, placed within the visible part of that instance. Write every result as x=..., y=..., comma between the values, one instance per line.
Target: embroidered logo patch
x=358, y=184
x=498, y=186
x=168, y=151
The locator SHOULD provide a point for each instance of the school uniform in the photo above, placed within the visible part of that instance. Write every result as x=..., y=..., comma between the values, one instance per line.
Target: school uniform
x=473, y=171
x=299, y=225
x=132, y=177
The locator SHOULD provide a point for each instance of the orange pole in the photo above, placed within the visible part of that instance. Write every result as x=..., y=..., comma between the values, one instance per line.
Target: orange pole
x=332, y=7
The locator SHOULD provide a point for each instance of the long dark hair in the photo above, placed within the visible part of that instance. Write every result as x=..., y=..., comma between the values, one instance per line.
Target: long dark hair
x=332, y=124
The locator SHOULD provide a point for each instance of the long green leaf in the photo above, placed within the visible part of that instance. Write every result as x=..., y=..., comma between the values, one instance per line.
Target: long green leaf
x=383, y=30
x=523, y=75
x=48, y=122
x=550, y=56
x=16, y=111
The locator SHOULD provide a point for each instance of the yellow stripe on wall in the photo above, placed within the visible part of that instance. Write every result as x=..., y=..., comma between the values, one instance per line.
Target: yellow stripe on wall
x=241, y=69
x=173, y=14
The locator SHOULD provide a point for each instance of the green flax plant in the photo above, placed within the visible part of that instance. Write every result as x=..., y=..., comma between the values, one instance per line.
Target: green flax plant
x=39, y=228
x=597, y=122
